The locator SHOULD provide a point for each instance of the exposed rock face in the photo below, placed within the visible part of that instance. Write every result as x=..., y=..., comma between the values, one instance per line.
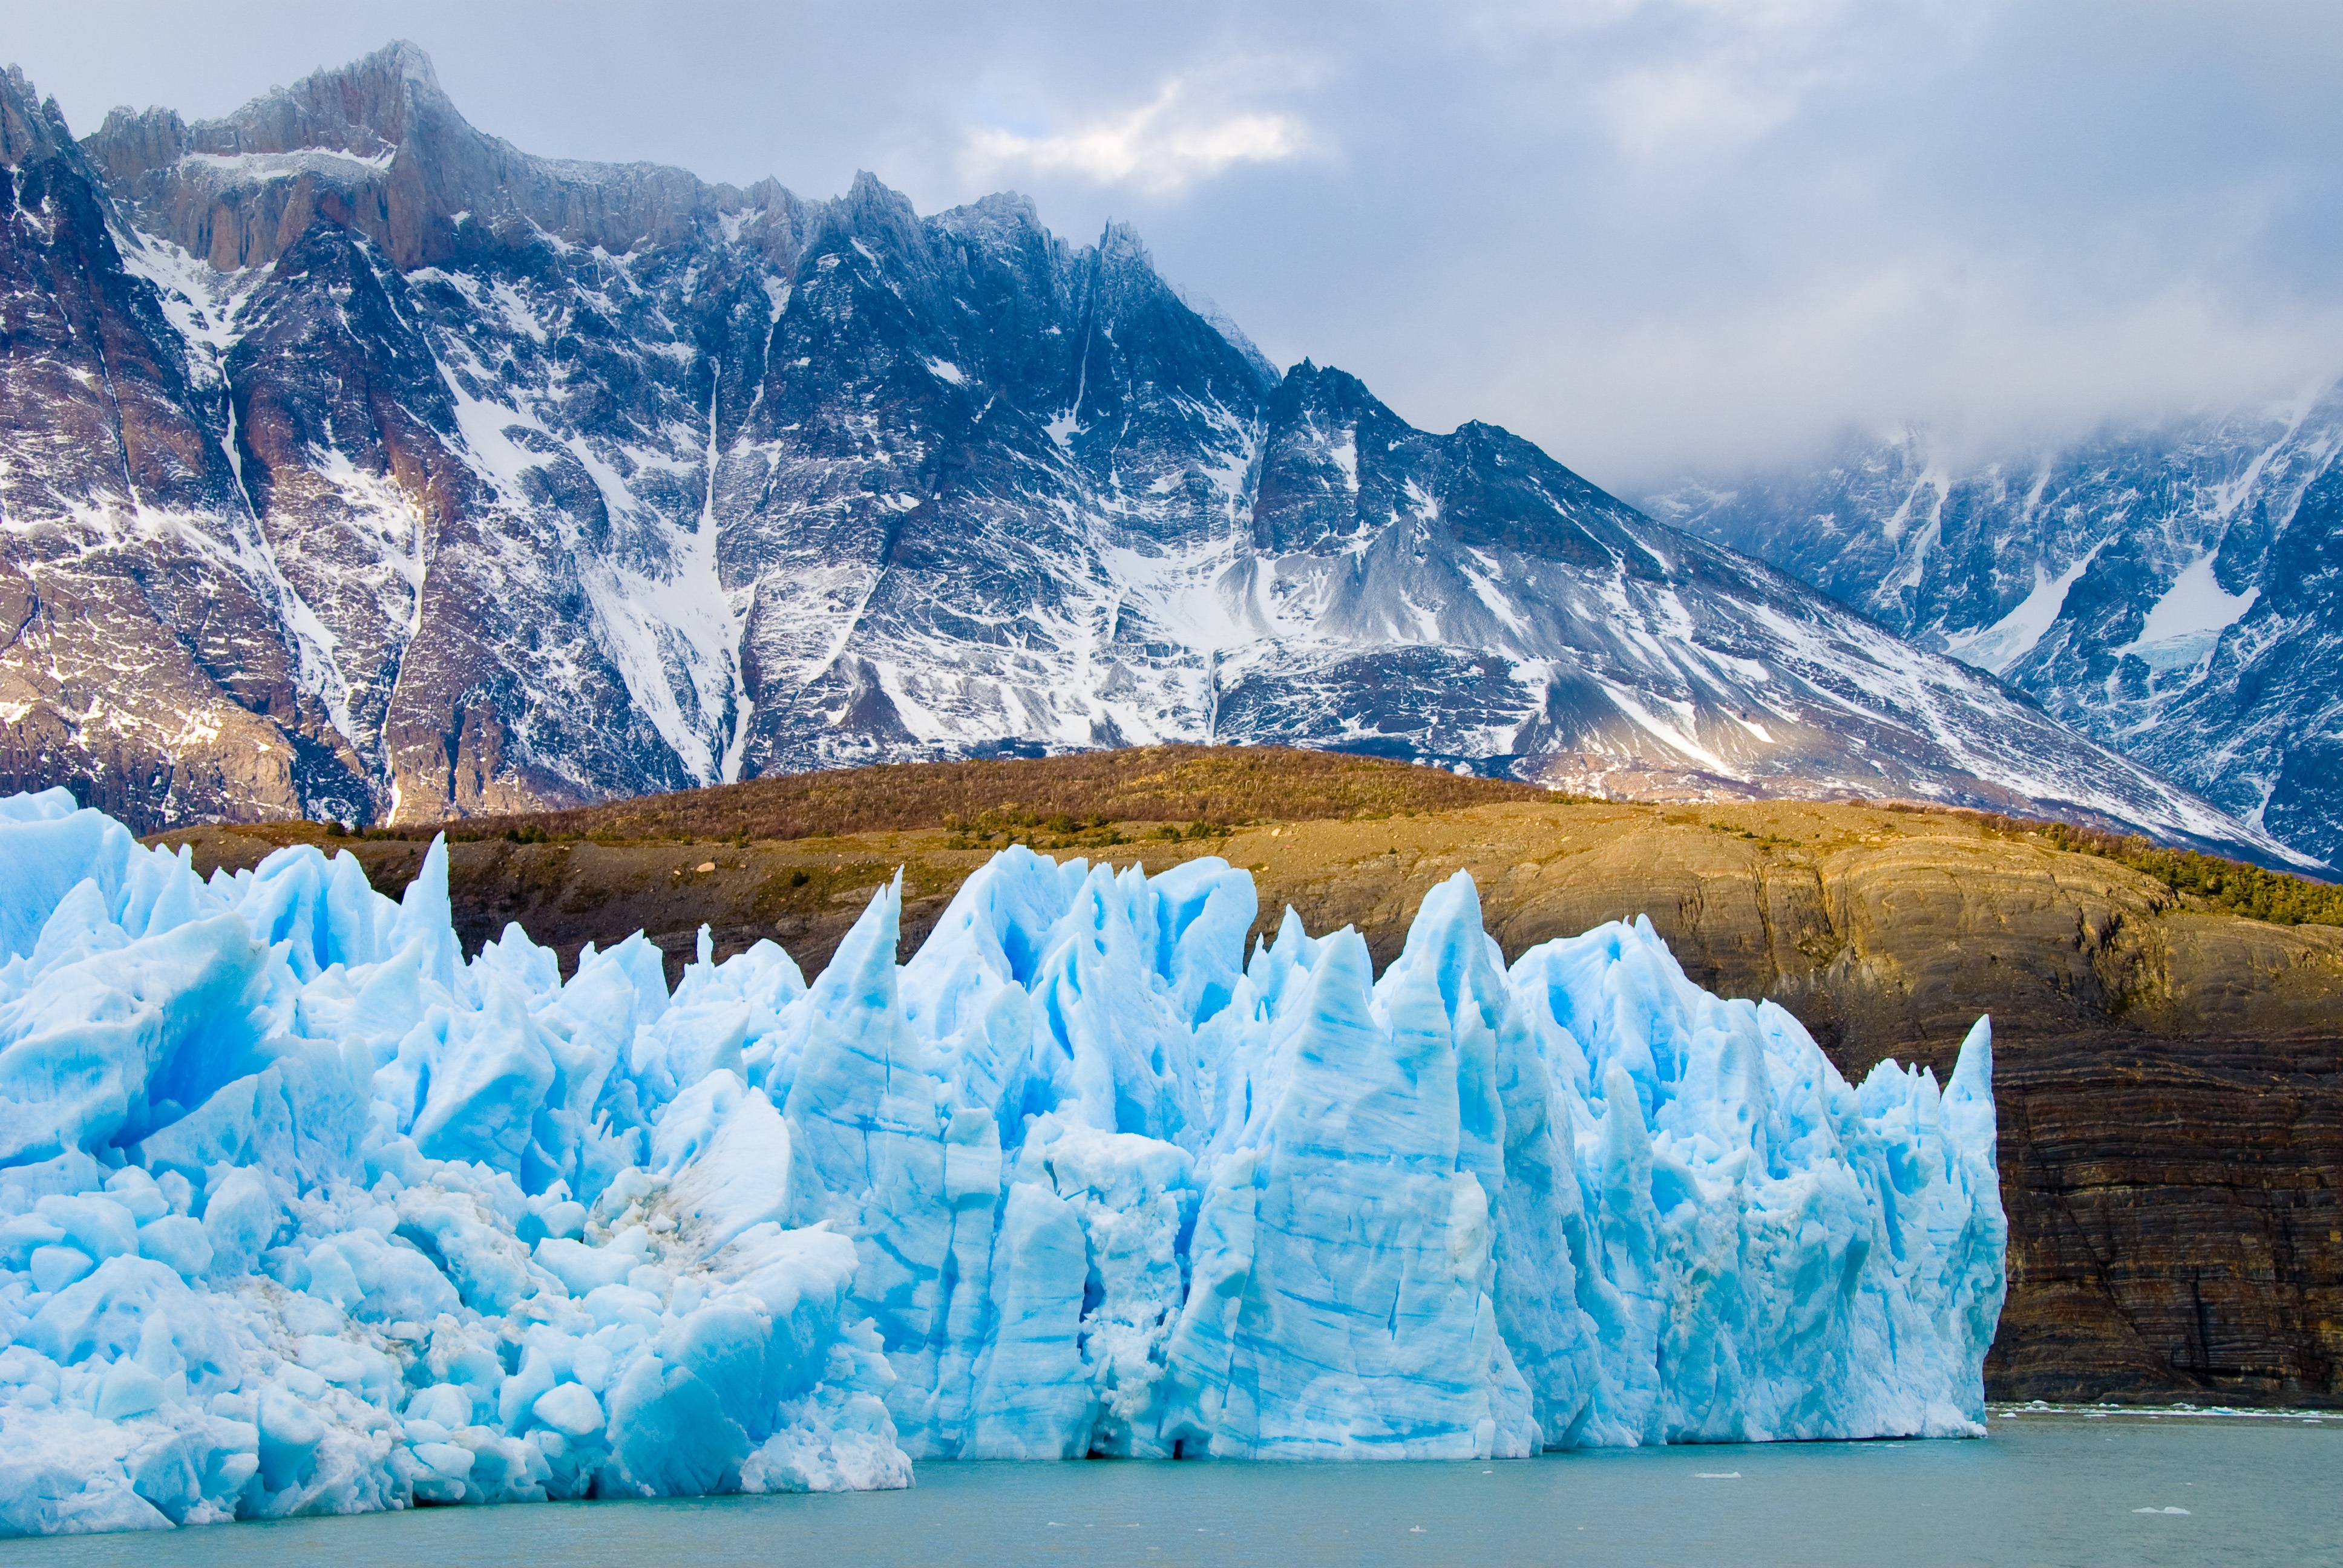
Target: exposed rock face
x=2175, y=592
x=454, y=480
x=144, y=664
x=379, y=150
x=2170, y=1082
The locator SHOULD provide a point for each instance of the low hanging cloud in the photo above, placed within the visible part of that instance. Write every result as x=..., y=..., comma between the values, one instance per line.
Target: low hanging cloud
x=1161, y=147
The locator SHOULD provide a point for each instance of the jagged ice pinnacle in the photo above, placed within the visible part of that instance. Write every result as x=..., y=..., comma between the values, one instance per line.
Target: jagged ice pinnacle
x=301, y=1211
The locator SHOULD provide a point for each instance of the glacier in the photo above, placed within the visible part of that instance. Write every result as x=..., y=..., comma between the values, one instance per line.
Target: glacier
x=303, y=1211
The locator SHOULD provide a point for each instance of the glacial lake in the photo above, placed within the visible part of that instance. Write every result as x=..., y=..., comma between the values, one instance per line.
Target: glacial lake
x=2045, y=1488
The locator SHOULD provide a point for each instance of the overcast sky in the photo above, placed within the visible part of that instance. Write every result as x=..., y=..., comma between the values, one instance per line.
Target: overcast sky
x=1654, y=237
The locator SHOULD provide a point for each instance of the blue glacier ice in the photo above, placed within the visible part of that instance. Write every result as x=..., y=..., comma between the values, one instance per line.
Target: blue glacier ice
x=303, y=1211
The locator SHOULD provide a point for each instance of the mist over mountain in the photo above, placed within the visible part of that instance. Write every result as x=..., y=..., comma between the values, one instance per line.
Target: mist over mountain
x=2174, y=590
x=361, y=465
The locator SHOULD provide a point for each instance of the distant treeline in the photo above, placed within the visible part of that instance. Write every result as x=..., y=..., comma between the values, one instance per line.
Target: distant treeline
x=2232, y=885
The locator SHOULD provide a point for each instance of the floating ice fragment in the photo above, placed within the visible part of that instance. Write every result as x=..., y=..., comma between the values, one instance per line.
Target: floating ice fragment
x=302, y=1212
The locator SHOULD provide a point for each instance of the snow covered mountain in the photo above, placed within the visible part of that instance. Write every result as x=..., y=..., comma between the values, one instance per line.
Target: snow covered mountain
x=2175, y=592
x=358, y=464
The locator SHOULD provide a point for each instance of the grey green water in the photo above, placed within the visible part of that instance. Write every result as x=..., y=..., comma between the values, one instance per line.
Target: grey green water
x=2050, y=1489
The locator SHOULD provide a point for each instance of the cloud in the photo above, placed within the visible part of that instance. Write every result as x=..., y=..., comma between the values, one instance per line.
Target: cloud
x=1720, y=79
x=1649, y=235
x=1698, y=78
x=1163, y=146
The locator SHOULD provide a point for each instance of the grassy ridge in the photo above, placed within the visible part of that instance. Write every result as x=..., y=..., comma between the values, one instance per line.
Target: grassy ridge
x=1075, y=802
x=1215, y=785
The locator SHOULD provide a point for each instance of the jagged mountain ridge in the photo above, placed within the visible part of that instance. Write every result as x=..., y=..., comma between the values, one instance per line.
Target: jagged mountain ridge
x=2175, y=591
x=361, y=465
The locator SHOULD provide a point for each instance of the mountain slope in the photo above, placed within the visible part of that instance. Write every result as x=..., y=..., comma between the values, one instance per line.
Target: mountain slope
x=2175, y=592
x=483, y=481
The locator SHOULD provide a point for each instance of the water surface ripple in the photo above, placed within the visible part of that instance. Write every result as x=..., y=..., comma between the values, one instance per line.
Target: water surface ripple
x=2049, y=1489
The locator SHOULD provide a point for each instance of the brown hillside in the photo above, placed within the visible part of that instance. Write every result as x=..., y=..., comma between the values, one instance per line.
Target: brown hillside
x=1209, y=784
x=2169, y=1076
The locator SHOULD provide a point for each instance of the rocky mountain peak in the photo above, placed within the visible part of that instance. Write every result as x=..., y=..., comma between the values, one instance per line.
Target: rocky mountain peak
x=375, y=146
x=132, y=142
x=29, y=127
x=874, y=218
x=1324, y=391
x=1120, y=245
x=389, y=99
x=420, y=476
x=1002, y=215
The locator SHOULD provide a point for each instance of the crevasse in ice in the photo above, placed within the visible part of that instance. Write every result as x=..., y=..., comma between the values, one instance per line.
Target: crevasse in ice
x=302, y=1212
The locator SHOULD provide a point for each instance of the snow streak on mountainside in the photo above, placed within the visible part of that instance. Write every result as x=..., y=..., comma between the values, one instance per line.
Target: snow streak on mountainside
x=359, y=463
x=2175, y=593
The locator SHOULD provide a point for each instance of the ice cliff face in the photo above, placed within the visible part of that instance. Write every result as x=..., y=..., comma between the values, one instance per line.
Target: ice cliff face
x=301, y=1211
x=2175, y=592
x=358, y=464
